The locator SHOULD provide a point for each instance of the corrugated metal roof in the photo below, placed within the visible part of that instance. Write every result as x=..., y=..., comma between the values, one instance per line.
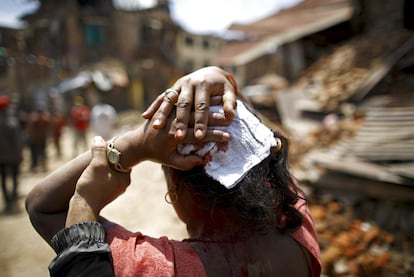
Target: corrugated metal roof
x=382, y=149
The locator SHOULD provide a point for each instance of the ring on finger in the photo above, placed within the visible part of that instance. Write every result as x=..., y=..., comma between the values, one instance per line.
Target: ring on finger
x=170, y=90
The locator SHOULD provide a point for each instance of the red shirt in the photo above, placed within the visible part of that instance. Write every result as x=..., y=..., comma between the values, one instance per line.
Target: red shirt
x=80, y=117
x=137, y=255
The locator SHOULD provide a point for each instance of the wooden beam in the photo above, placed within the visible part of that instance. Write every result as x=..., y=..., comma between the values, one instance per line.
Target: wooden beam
x=366, y=187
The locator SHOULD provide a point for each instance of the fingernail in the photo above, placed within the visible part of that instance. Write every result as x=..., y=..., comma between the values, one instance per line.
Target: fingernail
x=179, y=133
x=199, y=133
x=198, y=163
x=157, y=122
x=97, y=140
x=226, y=136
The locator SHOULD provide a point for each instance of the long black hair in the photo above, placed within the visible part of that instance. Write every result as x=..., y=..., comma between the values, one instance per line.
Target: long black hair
x=266, y=195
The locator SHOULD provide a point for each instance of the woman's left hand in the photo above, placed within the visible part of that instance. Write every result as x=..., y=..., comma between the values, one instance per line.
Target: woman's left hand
x=196, y=91
x=160, y=145
x=97, y=186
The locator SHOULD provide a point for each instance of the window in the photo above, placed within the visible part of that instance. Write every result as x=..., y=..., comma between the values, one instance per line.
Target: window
x=146, y=34
x=94, y=35
x=189, y=41
x=3, y=66
x=206, y=43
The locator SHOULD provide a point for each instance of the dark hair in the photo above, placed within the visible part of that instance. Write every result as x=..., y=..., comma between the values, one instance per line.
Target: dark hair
x=266, y=195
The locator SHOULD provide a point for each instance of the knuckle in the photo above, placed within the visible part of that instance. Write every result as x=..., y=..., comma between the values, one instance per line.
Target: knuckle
x=186, y=80
x=169, y=99
x=98, y=164
x=200, y=126
x=204, y=82
x=180, y=125
x=184, y=103
x=202, y=106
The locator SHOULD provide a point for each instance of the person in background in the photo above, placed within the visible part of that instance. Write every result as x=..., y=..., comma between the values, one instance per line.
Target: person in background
x=103, y=120
x=229, y=184
x=58, y=122
x=79, y=114
x=11, y=146
x=38, y=128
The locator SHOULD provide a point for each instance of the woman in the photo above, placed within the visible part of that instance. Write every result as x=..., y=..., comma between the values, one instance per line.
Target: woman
x=247, y=227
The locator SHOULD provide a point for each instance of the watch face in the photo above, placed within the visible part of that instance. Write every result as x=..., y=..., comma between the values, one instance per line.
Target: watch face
x=113, y=156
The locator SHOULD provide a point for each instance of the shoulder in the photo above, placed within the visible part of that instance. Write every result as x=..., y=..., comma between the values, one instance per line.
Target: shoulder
x=134, y=253
x=119, y=237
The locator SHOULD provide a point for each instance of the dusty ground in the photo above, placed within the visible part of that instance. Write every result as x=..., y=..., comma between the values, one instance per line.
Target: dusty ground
x=142, y=207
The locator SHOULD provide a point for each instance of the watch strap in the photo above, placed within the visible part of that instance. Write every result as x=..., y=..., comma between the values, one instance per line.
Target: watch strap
x=116, y=166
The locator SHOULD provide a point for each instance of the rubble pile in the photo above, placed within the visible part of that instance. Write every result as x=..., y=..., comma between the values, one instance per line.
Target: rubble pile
x=357, y=159
x=333, y=130
x=354, y=245
x=339, y=76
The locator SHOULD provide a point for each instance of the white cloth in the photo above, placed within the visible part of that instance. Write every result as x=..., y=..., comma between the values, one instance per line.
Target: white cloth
x=229, y=162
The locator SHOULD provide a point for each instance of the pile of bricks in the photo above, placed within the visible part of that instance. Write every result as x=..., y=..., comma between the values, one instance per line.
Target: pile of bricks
x=353, y=245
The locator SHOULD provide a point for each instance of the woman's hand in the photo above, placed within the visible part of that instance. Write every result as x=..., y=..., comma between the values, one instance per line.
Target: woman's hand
x=97, y=186
x=160, y=145
x=195, y=92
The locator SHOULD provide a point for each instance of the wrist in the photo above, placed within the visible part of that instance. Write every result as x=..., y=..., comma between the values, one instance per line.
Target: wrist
x=113, y=156
x=81, y=210
x=129, y=145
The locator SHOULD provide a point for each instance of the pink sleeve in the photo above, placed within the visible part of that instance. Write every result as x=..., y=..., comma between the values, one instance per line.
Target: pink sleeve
x=306, y=235
x=134, y=254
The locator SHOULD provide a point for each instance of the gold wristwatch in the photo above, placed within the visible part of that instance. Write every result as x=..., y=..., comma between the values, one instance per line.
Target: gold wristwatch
x=113, y=155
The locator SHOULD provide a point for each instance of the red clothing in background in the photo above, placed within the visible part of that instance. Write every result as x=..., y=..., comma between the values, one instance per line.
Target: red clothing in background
x=80, y=117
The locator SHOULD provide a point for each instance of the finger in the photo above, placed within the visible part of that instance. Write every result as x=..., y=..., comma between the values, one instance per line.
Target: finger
x=183, y=111
x=201, y=111
x=150, y=111
x=214, y=135
x=217, y=135
x=164, y=111
x=99, y=151
x=185, y=162
x=214, y=119
x=229, y=102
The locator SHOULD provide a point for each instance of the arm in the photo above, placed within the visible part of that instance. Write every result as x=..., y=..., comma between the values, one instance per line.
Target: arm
x=74, y=195
x=81, y=248
x=48, y=202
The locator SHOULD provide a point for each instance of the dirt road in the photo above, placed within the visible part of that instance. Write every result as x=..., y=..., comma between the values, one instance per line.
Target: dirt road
x=142, y=208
